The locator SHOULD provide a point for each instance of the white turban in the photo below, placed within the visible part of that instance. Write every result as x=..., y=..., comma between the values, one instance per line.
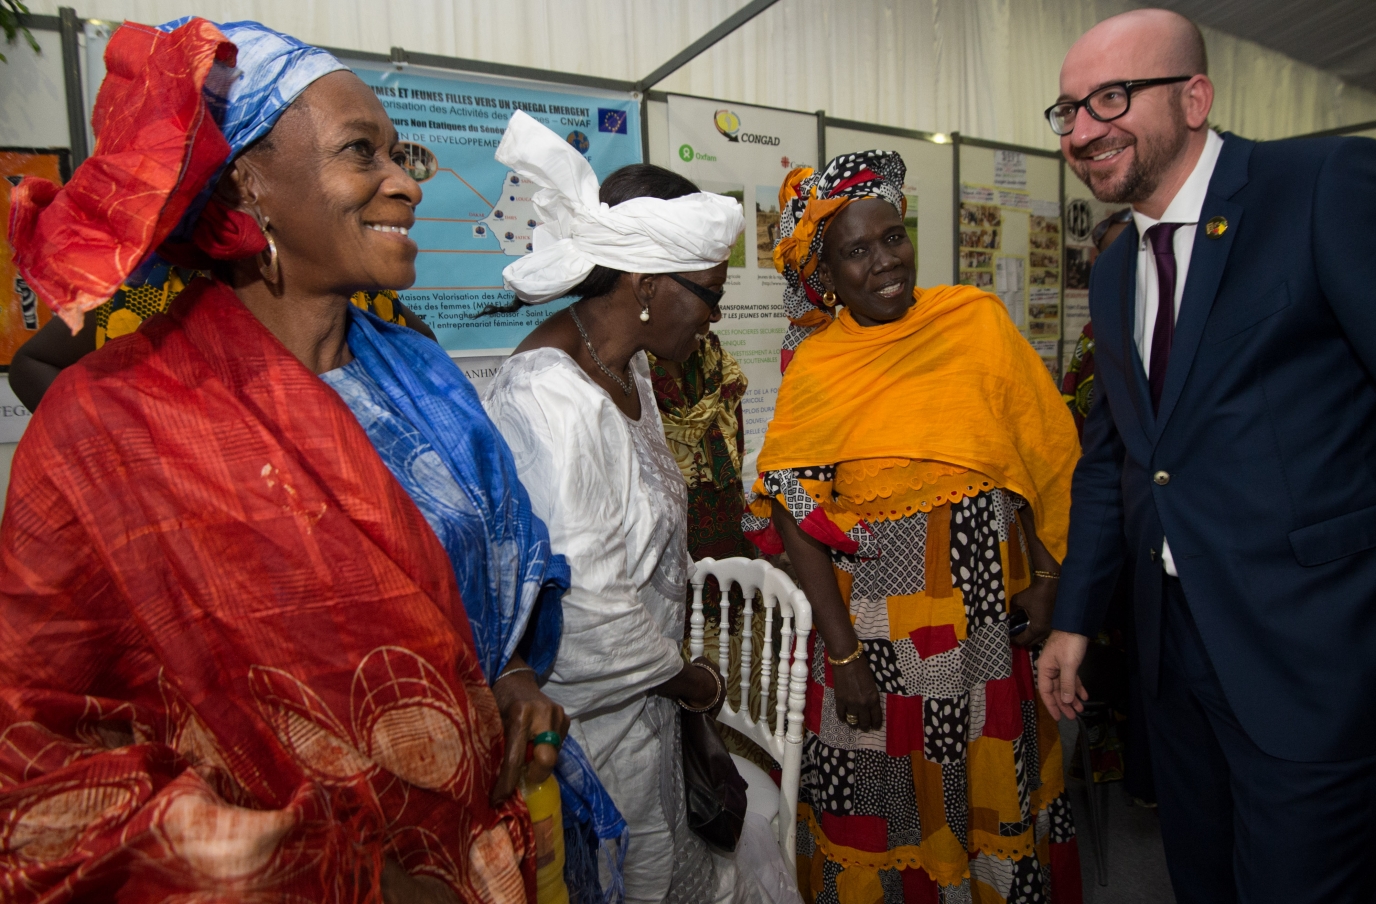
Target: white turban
x=577, y=231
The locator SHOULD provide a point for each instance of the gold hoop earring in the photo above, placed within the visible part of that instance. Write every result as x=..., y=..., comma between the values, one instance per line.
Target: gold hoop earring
x=829, y=298
x=271, y=270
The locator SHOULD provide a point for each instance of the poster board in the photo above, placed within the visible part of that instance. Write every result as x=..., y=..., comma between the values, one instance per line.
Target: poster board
x=745, y=152
x=1082, y=213
x=1009, y=234
x=33, y=139
x=931, y=173
x=476, y=216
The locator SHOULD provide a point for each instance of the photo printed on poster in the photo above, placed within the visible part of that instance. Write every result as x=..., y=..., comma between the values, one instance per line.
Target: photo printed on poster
x=1083, y=215
x=1010, y=245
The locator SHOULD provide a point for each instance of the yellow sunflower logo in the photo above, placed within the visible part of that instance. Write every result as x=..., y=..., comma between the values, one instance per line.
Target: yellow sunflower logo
x=727, y=123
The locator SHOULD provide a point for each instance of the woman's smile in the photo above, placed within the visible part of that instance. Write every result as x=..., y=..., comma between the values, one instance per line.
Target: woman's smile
x=402, y=230
x=892, y=289
x=396, y=231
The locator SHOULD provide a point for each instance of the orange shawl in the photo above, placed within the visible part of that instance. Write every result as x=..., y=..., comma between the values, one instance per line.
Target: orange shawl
x=952, y=380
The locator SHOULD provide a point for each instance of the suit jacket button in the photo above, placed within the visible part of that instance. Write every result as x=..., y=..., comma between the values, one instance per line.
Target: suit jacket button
x=1152, y=553
x=1161, y=478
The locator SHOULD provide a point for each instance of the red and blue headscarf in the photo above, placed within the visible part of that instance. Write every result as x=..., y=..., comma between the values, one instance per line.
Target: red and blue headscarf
x=178, y=103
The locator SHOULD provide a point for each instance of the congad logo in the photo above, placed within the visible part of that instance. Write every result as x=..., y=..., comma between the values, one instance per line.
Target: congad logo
x=729, y=125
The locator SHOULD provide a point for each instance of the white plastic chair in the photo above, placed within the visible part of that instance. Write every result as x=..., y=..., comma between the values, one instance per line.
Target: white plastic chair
x=787, y=681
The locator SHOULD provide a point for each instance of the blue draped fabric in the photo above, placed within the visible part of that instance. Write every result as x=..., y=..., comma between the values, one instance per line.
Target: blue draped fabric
x=424, y=418
x=429, y=427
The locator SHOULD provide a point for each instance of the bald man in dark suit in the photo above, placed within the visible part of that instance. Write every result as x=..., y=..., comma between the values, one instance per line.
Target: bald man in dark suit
x=1231, y=456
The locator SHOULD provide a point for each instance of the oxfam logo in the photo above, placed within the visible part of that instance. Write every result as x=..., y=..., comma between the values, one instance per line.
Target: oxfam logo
x=685, y=153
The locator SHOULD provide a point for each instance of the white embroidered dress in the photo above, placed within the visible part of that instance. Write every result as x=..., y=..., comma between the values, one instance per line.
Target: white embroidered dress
x=616, y=506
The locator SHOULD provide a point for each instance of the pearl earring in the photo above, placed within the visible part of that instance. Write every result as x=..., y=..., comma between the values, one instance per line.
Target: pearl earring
x=645, y=314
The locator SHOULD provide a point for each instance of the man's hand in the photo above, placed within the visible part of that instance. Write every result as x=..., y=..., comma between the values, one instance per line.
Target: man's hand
x=1058, y=674
x=526, y=712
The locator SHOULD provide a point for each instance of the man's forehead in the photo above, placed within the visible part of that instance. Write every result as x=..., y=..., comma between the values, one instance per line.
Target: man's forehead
x=1098, y=60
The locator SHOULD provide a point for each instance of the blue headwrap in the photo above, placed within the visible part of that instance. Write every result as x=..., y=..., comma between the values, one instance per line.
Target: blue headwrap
x=272, y=70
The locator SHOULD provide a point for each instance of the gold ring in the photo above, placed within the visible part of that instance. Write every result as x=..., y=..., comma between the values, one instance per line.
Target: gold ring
x=851, y=719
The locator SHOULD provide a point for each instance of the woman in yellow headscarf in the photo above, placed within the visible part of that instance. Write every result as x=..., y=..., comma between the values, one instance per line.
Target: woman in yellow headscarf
x=917, y=471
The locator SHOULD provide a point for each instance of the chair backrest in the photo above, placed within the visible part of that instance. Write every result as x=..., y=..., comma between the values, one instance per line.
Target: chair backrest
x=782, y=678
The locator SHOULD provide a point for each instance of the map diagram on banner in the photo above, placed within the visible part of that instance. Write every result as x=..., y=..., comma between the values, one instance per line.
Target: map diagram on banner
x=512, y=220
x=476, y=215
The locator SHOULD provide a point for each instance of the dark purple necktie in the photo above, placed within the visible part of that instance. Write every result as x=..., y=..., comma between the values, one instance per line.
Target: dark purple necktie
x=1161, y=237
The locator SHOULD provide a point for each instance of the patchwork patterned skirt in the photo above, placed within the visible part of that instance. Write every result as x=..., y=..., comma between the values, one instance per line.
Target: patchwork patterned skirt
x=959, y=797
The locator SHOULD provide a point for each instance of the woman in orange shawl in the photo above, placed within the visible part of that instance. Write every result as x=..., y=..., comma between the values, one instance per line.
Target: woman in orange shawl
x=917, y=472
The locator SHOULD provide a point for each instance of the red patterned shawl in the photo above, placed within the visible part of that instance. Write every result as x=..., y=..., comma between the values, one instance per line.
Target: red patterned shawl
x=233, y=658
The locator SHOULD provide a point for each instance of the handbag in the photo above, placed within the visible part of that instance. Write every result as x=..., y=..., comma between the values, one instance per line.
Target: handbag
x=713, y=786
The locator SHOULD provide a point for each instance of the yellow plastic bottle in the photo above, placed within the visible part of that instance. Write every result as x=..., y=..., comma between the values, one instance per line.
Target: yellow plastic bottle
x=548, y=817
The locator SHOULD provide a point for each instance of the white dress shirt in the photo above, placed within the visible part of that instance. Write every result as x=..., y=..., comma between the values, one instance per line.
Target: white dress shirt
x=1184, y=208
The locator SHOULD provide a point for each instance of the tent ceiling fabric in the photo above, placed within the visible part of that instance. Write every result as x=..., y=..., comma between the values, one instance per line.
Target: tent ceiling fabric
x=986, y=68
x=1337, y=36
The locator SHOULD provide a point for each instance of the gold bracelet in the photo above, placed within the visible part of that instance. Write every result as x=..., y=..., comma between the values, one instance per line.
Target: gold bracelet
x=717, y=698
x=859, y=648
x=1050, y=575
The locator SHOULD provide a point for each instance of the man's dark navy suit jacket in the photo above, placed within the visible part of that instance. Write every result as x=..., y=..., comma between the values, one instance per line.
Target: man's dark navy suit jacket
x=1261, y=463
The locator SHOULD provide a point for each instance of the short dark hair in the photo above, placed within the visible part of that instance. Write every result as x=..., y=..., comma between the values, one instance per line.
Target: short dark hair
x=1103, y=226
x=638, y=180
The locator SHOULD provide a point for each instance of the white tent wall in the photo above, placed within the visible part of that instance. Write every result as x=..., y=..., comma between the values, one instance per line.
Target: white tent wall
x=984, y=67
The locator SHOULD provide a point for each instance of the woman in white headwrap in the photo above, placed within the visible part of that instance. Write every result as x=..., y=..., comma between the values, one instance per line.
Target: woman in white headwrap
x=646, y=257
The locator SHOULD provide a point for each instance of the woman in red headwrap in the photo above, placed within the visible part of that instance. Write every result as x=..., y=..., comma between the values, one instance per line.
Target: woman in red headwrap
x=234, y=659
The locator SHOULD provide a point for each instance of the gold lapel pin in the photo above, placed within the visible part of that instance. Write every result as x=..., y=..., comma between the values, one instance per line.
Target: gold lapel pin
x=1216, y=227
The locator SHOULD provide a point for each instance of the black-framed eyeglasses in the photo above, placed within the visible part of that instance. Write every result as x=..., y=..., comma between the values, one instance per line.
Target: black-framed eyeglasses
x=710, y=298
x=1104, y=104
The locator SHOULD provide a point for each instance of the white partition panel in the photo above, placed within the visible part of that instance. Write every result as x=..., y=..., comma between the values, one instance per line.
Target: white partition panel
x=1009, y=234
x=745, y=152
x=657, y=122
x=33, y=98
